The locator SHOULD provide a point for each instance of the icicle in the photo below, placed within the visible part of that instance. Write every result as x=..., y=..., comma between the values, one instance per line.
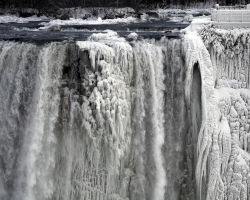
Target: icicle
x=225, y=143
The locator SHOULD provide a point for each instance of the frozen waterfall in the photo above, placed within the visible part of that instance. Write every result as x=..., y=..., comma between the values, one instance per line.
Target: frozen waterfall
x=88, y=120
x=109, y=119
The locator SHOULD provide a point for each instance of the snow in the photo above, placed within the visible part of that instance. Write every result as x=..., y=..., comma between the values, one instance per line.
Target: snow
x=197, y=24
x=245, y=154
x=103, y=36
x=99, y=20
x=13, y=18
x=224, y=92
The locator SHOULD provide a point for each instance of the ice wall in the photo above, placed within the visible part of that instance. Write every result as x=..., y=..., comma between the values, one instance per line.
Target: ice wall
x=223, y=156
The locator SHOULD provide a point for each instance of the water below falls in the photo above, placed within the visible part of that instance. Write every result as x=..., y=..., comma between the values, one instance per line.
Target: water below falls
x=108, y=119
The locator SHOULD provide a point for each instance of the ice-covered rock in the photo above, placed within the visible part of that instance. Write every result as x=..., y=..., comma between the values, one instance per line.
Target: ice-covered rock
x=133, y=36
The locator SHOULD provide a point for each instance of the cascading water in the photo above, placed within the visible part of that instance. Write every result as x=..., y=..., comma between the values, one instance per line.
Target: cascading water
x=108, y=119
x=29, y=110
x=150, y=79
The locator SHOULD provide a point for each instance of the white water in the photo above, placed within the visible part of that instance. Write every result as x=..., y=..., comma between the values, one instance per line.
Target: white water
x=29, y=119
x=151, y=62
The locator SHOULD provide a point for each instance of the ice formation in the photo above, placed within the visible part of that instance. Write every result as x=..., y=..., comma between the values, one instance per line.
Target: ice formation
x=223, y=156
x=207, y=144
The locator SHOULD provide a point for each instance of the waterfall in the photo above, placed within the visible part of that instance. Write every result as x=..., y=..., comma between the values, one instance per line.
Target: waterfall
x=29, y=110
x=87, y=120
x=150, y=67
x=111, y=119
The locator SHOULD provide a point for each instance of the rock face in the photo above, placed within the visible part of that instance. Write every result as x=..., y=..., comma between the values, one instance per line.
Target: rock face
x=110, y=119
